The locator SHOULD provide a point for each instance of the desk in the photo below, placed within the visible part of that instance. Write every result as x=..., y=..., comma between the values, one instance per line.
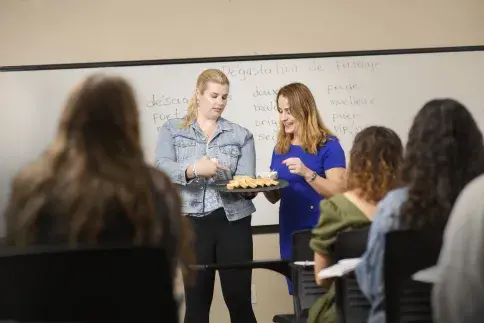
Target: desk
x=278, y=265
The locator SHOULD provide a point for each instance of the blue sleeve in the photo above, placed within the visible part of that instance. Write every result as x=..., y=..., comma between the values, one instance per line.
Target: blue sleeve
x=369, y=271
x=334, y=155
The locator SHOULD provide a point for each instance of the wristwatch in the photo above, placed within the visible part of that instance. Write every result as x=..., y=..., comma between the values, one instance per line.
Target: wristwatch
x=312, y=177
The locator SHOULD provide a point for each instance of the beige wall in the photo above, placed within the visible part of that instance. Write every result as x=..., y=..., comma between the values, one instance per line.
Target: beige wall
x=71, y=31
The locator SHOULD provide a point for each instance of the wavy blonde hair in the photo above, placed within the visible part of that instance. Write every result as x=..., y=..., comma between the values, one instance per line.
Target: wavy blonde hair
x=303, y=107
x=207, y=76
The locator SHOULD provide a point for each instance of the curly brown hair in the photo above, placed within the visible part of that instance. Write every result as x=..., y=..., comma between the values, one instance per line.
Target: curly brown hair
x=375, y=160
x=444, y=152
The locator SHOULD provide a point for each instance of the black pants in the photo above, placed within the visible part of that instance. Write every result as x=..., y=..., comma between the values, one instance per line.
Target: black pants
x=221, y=241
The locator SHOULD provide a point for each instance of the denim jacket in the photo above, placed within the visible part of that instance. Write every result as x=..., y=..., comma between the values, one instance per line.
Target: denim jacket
x=369, y=271
x=231, y=144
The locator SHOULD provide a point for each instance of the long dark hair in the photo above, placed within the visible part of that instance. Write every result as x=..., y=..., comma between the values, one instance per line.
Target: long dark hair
x=444, y=152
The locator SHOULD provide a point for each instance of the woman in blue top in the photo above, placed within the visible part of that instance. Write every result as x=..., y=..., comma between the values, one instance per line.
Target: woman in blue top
x=309, y=157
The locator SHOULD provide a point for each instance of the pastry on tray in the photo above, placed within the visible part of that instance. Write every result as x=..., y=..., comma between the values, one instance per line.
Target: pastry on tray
x=250, y=182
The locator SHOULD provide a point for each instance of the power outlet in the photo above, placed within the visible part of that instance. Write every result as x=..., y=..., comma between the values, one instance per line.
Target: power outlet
x=253, y=295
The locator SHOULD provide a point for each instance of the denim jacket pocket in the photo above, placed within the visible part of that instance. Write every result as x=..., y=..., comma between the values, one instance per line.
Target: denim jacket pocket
x=229, y=156
x=185, y=148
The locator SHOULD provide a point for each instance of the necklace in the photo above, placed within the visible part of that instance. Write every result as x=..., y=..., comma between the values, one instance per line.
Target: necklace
x=210, y=132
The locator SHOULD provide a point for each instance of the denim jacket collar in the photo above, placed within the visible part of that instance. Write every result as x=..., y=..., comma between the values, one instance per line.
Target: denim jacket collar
x=223, y=125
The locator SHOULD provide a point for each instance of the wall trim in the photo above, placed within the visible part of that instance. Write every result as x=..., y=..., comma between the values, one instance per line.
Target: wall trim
x=240, y=58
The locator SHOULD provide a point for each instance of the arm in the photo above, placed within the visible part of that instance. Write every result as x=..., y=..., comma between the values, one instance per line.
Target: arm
x=331, y=185
x=11, y=213
x=321, y=261
x=170, y=210
x=177, y=234
x=246, y=163
x=23, y=202
x=334, y=164
x=272, y=196
x=369, y=272
x=458, y=293
x=166, y=158
x=323, y=238
x=460, y=300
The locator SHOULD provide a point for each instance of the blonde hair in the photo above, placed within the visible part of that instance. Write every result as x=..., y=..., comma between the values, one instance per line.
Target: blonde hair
x=207, y=76
x=303, y=107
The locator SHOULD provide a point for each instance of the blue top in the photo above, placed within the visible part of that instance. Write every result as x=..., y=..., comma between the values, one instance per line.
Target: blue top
x=369, y=271
x=299, y=206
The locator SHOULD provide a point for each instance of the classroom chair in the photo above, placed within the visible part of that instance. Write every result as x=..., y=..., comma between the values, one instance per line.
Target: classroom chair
x=95, y=284
x=407, y=252
x=305, y=289
x=351, y=305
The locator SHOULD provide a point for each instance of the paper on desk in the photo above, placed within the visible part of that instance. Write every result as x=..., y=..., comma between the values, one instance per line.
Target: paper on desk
x=428, y=275
x=304, y=263
x=342, y=267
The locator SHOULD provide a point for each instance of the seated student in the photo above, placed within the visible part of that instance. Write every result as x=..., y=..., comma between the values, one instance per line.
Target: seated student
x=458, y=293
x=373, y=165
x=92, y=184
x=444, y=152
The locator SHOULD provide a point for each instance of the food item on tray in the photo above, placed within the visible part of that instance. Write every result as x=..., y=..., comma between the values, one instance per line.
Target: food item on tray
x=272, y=174
x=250, y=182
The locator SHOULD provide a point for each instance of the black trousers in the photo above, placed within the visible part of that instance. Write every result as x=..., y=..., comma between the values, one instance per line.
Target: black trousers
x=221, y=241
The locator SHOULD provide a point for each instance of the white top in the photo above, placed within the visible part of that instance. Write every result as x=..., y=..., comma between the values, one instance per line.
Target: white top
x=458, y=293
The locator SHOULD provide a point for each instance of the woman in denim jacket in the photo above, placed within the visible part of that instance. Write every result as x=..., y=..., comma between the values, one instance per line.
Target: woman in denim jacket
x=194, y=151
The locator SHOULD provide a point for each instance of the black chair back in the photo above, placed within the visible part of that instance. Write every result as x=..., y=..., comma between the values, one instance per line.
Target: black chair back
x=351, y=305
x=305, y=290
x=86, y=285
x=351, y=244
x=407, y=252
x=300, y=246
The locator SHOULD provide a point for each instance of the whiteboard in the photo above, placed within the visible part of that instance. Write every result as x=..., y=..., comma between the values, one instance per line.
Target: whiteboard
x=351, y=93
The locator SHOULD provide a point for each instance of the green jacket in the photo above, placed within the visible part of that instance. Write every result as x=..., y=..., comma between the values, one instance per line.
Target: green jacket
x=336, y=214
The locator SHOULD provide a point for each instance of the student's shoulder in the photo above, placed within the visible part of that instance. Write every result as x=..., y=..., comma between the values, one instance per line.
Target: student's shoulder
x=396, y=196
x=161, y=181
x=334, y=203
x=333, y=210
x=469, y=205
x=474, y=190
x=388, y=209
x=32, y=173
